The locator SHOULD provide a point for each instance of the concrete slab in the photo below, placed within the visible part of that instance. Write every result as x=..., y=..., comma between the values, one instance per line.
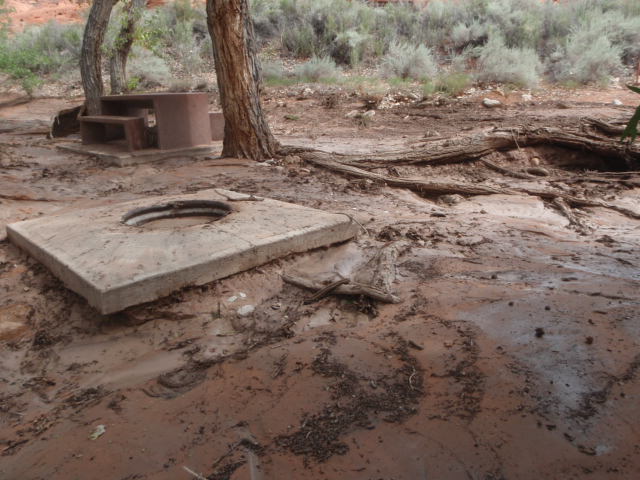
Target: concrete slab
x=135, y=252
x=118, y=155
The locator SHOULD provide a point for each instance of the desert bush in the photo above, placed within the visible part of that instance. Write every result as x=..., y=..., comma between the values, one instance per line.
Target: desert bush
x=496, y=62
x=593, y=52
x=318, y=69
x=453, y=84
x=146, y=70
x=39, y=51
x=5, y=19
x=274, y=74
x=409, y=61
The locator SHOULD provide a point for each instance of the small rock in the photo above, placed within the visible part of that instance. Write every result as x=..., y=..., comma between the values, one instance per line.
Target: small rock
x=451, y=199
x=98, y=432
x=292, y=160
x=491, y=103
x=535, y=161
x=470, y=241
x=539, y=332
x=527, y=97
x=232, y=299
x=588, y=340
x=352, y=114
x=616, y=102
x=369, y=114
x=246, y=310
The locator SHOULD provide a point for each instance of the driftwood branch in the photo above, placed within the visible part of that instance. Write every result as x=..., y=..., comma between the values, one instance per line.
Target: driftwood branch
x=505, y=171
x=574, y=221
x=427, y=187
x=465, y=148
x=350, y=288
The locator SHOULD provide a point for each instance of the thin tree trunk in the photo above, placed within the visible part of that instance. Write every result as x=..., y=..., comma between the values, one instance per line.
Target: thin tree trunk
x=118, y=62
x=91, y=55
x=246, y=131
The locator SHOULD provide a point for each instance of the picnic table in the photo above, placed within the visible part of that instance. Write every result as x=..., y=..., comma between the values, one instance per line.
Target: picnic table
x=163, y=120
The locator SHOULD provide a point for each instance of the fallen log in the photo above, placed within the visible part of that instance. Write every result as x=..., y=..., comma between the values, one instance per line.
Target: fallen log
x=426, y=187
x=471, y=147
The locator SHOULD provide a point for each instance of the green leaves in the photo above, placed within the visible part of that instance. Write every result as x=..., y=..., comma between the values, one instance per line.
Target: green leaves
x=632, y=127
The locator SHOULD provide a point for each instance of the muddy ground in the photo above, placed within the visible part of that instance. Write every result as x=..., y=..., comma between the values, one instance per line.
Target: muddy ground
x=514, y=353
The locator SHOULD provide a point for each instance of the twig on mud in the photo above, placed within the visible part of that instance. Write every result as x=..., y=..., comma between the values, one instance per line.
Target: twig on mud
x=505, y=171
x=411, y=378
x=573, y=219
x=323, y=292
x=351, y=288
x=25, y=198
x=194, y=474
x=366, y=232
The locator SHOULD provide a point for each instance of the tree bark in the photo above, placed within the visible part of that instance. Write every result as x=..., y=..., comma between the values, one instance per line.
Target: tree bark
x=118, y=61
x=246, y=132
x=91, y=55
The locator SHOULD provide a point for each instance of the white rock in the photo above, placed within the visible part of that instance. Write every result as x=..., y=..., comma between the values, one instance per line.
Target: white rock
x=232, y=299
x=369, y=114
x=616, y=102
x=242, y=295
x=352, y=114
x=491, y=103
x=246, y=310
x=527, y=97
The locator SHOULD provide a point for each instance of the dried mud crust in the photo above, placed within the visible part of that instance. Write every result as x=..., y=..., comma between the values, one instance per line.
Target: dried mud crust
x=463, y=383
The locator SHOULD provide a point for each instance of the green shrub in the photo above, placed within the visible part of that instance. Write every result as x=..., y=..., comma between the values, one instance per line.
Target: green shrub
x=453, y=84
x=498, y=63
x=5, y=20
x=593, y=51
x=146, y=70
x=318, y=69
x=39, y=51
x=409, y=61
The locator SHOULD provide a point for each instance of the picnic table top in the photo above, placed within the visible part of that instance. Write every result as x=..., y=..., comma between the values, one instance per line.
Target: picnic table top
x=148, y=96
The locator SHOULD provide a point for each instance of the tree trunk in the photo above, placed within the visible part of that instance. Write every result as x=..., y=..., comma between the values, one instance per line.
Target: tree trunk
x=118, y=62
x=90, y=57
x=246, y=132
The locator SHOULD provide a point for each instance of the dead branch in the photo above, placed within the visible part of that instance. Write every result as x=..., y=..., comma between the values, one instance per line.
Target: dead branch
x=471, y=147
x=380, y=271
x=573, y=219
x=323, y=292
x=505, y=171
x=607, y=127
x=351, y=288
x=426, y=187
x=14, y=102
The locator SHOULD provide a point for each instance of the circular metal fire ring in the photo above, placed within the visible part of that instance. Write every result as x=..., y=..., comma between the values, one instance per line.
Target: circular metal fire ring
x=212, y=209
